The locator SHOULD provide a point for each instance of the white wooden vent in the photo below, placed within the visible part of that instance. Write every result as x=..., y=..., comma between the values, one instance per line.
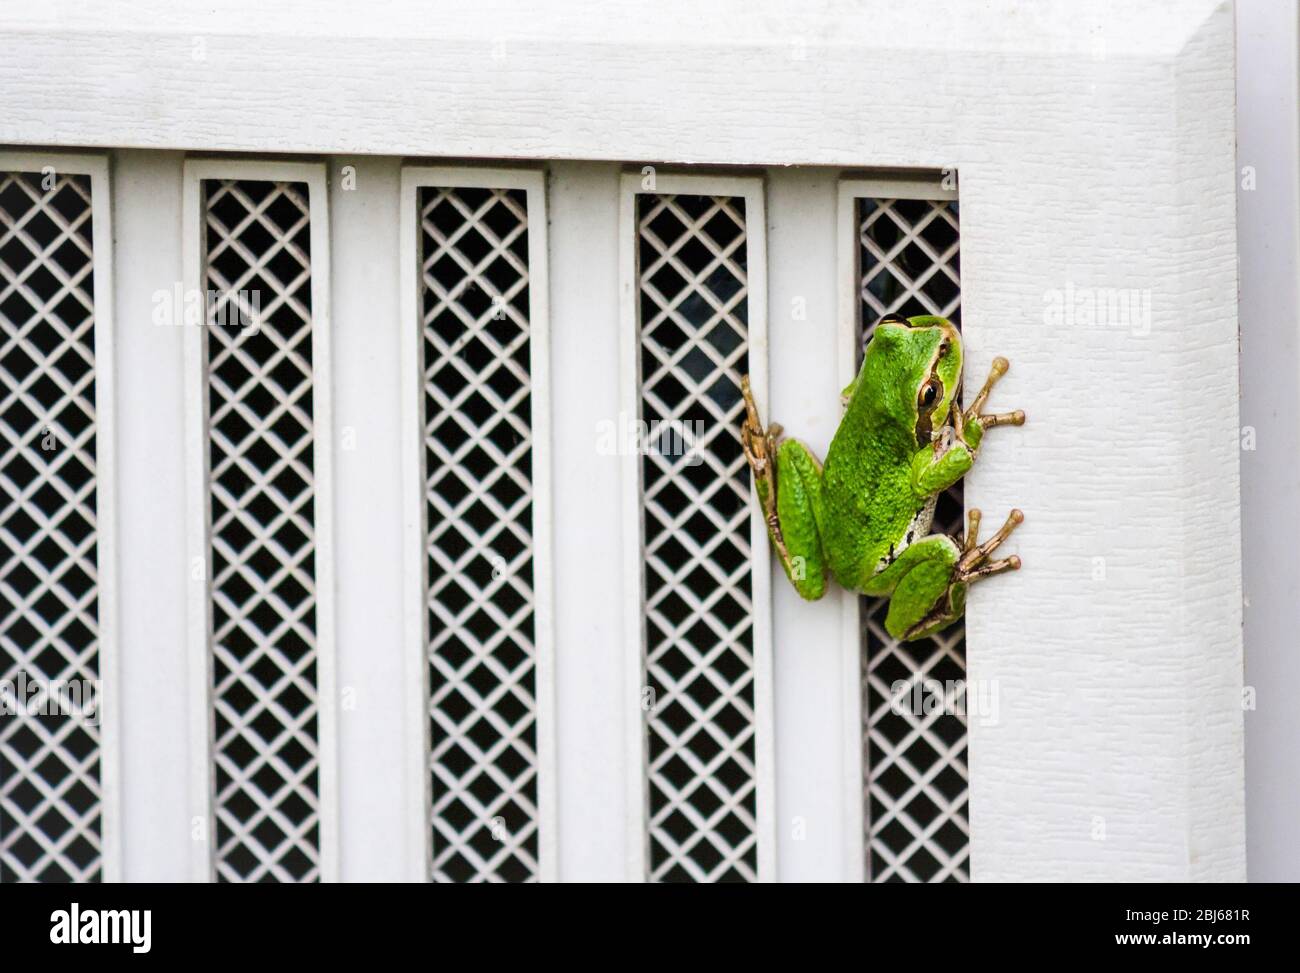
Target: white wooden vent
x=916, y=778
x=483, y=507
x=478, y=436
x=52, y=808
x=705, y=762
x=259, y=350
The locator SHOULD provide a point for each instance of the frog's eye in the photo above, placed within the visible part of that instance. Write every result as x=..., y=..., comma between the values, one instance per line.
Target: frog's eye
x=944, y=346
x=931, y=392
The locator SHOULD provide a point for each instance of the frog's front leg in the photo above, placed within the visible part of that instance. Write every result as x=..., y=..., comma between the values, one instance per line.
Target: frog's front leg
x=787, y=481
x=971, y=424
x=937, y=467
x=927, y=583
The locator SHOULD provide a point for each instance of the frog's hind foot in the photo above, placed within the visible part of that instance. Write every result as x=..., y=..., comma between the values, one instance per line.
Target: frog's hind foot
x=974, y=563
x=759, y=445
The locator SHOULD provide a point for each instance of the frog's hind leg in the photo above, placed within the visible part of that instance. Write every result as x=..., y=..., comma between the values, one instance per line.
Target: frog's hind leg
x=927, y=584
x=922, y=598
x=787, y=480
x=798, y=505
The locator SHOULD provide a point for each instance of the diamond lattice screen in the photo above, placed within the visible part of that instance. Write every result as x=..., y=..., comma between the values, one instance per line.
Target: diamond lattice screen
x=50, y=797
x=260, y=438
x=692, y=282
x=916, y=777
x=479, y=545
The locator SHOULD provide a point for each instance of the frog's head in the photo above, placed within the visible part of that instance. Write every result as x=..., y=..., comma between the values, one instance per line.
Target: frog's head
x=912, y=370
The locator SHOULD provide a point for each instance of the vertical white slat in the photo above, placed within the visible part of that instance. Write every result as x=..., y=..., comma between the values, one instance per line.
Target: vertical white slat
x=199, y=499
x=417, y=786
x=151, y=451
x=852, y=749
x=366, y=316
x=198, y=552
x=532, y=182
x=323, y=456
x=539, y=322
x=764, y=690
x=106, y=519
x=637, y=842
x=751, y=189
x=818, y=765
x=591, y=698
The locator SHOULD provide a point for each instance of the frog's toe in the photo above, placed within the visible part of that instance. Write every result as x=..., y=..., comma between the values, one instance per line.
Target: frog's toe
x=1016, y=418
x=991, y=568
x=974, y=555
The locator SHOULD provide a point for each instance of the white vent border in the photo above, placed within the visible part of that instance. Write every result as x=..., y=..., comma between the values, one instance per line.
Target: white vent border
x=752, y=190
x=96, y=167
x=198, y=506
x=417, y=796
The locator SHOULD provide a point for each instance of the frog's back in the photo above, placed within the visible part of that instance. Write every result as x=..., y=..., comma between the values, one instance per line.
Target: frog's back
x=871, y=511
x=868, y=504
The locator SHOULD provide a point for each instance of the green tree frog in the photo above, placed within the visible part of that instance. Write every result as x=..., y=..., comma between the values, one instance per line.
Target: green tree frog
x=864, y=516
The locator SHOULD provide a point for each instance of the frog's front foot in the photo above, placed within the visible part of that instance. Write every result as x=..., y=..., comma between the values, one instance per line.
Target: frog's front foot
x=973, y=414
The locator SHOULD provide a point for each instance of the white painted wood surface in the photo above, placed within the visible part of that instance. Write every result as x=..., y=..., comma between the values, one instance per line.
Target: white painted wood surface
x=819, y=797
x=372, y=726
x=156, y=750
x=1095, y=149
x=592, y=757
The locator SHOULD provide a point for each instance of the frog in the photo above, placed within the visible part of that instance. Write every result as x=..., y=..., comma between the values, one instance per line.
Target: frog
x=863, y=517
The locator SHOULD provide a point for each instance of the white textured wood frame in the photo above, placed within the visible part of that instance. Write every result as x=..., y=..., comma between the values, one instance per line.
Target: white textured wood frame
x=95, y=167
x=532, y=184
x=199, y=494
x=639, y=766
x=1095, y=148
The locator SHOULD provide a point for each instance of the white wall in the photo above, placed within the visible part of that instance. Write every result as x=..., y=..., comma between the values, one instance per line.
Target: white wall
x=1270, y=474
